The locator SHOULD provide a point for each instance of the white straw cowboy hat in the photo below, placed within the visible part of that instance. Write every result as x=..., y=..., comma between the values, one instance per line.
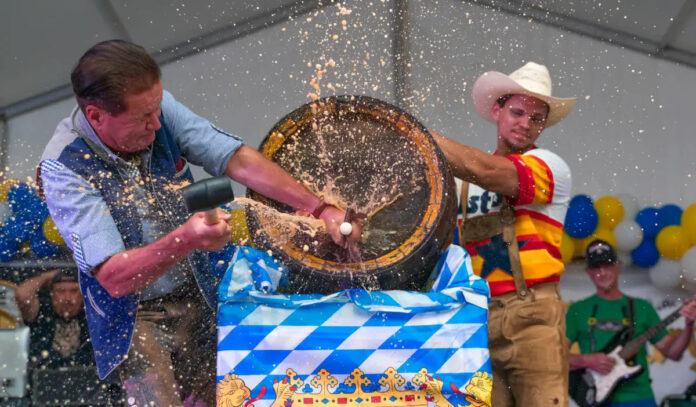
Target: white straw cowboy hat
x=532, y=80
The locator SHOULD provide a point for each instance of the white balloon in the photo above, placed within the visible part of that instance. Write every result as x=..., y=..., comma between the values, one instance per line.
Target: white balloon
x=624, y=258
x=630, y=205
x=666, y=273
x=5, y=212
x=628, y=235
x=688, y=263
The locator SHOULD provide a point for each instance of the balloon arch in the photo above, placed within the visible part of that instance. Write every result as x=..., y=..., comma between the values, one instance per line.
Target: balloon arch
x=660, y=239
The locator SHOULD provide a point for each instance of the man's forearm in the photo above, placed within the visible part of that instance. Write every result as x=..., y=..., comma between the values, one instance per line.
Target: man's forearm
x=130, y=271
x=494, y=173
x=461, y=158
x=27, y=295
x=251, y=168
x=679, y=344
x=576, y=361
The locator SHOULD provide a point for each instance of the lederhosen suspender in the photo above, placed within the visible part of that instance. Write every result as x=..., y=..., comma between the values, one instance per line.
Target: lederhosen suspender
x=628, y=321
x=486, y=226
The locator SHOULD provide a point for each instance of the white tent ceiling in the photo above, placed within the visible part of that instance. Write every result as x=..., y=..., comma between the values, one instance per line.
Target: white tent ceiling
x=41, y=40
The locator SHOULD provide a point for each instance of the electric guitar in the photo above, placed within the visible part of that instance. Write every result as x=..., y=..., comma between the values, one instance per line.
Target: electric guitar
x=589, y=388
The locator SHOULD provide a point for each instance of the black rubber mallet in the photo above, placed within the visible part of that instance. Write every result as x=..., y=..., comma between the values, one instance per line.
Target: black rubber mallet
x=207, y=195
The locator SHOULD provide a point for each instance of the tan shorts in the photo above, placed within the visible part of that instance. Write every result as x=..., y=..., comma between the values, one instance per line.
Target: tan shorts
x=172, y=355
x=528, y=350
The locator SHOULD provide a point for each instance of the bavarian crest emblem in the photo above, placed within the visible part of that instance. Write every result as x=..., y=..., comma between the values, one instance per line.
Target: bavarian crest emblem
x=323, y=389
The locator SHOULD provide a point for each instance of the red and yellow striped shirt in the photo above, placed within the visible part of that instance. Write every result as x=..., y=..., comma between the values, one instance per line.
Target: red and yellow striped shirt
x=544, y=193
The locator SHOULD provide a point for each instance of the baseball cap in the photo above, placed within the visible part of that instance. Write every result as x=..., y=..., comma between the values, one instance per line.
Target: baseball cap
x=600, y=253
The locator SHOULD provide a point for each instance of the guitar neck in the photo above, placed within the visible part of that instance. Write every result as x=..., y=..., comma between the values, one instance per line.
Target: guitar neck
x=633, y=346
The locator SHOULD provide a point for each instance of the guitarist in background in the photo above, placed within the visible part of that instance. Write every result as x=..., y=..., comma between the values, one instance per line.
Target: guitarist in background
x=596, y=320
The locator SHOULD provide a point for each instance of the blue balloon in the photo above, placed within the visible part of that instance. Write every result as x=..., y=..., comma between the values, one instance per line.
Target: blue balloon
x=581, y=220
x=22, y=197
x=9, y=249
x=20, y=227
x=650, y=221
x=41, y=247
x=580, y=199
x=40, y=211
x=646, y=254
x=671, y=214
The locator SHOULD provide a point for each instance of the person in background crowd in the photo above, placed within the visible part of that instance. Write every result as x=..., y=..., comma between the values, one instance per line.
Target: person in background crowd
x=596, y=320
x=51, y=306
x=59, y=335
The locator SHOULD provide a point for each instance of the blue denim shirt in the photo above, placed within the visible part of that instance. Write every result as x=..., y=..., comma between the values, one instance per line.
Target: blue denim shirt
x=78, y=208
x=82, y=214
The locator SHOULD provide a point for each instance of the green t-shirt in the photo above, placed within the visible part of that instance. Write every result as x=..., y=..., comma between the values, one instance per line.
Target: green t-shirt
x=612, y=316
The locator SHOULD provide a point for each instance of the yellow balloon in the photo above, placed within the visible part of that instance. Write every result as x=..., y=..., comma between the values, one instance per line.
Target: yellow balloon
x=605, y=234
x=580, y=245
x=51, y=232
x=5, y=188
x=567, y=248
x=240, y=230
x=610, y=211
x=688, y=223
x=672, y=242
x=24, y=248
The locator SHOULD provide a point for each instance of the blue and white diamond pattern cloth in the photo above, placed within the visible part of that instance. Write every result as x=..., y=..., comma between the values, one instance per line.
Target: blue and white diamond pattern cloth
x=265, y=338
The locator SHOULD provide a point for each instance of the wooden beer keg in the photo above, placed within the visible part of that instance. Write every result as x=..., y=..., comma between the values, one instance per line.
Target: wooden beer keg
x=378, y=159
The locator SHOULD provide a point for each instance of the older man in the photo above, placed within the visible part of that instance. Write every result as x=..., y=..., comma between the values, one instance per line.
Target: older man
x=111, y=175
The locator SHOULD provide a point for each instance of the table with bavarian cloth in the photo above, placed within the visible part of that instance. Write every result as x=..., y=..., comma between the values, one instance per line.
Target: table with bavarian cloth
x=354, y=347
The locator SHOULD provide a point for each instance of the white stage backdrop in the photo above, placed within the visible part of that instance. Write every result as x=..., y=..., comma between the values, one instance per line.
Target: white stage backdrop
x=630, y=132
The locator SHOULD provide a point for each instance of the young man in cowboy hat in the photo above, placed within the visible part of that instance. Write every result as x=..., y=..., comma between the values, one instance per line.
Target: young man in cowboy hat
x=516, y=200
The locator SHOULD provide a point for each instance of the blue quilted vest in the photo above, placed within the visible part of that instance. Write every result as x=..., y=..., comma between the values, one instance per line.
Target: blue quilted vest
x=111, y=320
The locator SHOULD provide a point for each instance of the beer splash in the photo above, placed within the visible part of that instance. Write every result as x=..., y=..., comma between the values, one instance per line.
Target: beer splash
x=353, y=159
x=352, y=153
x=289, y=225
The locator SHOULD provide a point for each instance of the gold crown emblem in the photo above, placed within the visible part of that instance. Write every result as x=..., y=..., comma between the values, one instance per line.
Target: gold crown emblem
x=232, y=391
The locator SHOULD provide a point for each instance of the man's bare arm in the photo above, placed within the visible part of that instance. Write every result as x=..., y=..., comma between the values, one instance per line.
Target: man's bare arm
x=251, y=168
x=27, y=294
x=673, y=348
x=491, y=172
x=132, y=270
x=597, y=361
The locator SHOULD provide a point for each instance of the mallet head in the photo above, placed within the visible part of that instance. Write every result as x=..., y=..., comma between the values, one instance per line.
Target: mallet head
x=208, y=194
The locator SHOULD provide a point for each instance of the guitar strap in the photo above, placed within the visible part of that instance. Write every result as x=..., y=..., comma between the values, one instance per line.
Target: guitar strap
x=631, y=326
x=628, y=321
x=591, y=322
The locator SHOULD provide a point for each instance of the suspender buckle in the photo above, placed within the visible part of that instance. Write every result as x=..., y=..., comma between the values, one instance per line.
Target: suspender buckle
x=507, y=215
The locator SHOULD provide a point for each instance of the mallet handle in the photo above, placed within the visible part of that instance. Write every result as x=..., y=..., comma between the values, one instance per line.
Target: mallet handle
x=211, y=217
